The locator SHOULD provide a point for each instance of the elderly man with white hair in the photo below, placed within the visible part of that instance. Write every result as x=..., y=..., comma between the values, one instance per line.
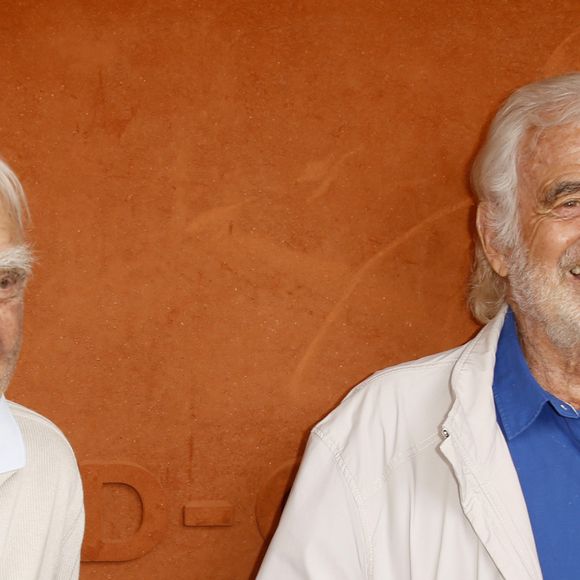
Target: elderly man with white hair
x=41, y=501
x=466, y=465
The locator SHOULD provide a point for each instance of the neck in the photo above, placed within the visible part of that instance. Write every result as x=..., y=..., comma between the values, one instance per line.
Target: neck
x=556, y=368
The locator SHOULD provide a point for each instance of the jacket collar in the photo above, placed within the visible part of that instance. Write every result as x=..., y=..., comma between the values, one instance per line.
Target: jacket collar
x=489, y=487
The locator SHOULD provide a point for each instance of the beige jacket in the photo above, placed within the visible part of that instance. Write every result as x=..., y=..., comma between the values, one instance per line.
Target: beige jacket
x=410, y=478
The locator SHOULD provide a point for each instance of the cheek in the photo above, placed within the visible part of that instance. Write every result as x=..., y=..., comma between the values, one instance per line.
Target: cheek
x=552, y=238
x=10, y=325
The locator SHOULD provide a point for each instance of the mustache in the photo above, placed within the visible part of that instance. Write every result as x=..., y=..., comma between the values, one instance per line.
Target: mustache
x=570, y=258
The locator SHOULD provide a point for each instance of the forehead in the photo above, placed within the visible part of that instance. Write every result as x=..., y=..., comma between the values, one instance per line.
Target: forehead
x=549, y=155
x=10, y=232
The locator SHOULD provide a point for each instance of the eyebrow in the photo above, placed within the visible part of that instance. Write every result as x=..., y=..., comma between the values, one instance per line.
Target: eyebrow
x=18, y=257
x=561, y=188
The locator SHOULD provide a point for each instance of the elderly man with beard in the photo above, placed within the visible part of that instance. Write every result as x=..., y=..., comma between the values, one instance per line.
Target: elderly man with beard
x=466, y=465
x=41, y=503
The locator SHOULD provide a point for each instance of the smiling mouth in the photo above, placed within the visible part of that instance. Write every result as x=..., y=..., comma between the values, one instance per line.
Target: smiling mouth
x=575, y=271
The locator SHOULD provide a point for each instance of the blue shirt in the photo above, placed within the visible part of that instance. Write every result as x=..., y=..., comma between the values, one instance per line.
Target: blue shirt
x=543, y=436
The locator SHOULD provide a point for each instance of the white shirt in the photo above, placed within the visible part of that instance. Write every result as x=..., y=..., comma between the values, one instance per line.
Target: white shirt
x=12, y=450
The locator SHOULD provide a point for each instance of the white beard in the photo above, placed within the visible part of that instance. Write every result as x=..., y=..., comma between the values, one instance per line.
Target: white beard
x=548, y=296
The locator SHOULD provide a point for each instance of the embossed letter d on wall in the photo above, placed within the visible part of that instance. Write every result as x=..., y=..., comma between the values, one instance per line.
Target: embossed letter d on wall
x=151, y=530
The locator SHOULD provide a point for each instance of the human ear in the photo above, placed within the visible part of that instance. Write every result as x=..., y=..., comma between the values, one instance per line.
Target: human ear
x=487, y=237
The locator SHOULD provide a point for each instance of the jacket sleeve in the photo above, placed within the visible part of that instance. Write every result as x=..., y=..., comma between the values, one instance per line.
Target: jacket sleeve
x=320, y=535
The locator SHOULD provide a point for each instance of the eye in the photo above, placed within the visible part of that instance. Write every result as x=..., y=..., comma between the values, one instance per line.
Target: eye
x=571, y=203
x=10, y=282
x=568, y=208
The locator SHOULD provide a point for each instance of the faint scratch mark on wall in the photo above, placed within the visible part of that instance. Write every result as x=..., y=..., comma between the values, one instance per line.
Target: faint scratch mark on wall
x=190, y=450
x=216, y=214
x=325, y=171
x=111, y=112
x=565, y=57
x=314, y=345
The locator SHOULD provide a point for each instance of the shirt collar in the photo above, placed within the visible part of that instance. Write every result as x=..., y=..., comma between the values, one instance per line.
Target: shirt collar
x=12, y=449
x=518, y=396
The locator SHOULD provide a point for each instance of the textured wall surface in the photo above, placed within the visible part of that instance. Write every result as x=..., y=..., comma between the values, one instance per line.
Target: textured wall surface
x=240, y=210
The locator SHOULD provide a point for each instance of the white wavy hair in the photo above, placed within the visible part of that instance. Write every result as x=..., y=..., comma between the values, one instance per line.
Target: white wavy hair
x=494, y=177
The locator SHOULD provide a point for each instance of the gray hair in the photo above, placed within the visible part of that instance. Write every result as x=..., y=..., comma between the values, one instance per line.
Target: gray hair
x=494, y=177
x=12, y=197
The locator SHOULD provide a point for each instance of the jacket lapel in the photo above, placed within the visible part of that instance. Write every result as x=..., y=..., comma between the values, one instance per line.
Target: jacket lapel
x=474, y=445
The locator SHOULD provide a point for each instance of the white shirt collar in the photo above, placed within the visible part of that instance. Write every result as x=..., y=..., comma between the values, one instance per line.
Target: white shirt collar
x=12, y=449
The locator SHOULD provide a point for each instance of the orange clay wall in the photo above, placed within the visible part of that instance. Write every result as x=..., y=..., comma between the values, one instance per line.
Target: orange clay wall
x=240, y=210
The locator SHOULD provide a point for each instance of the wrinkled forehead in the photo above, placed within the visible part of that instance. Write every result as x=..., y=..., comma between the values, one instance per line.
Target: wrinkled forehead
x=548, y=155
x=11, y=232
x=15, y=254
